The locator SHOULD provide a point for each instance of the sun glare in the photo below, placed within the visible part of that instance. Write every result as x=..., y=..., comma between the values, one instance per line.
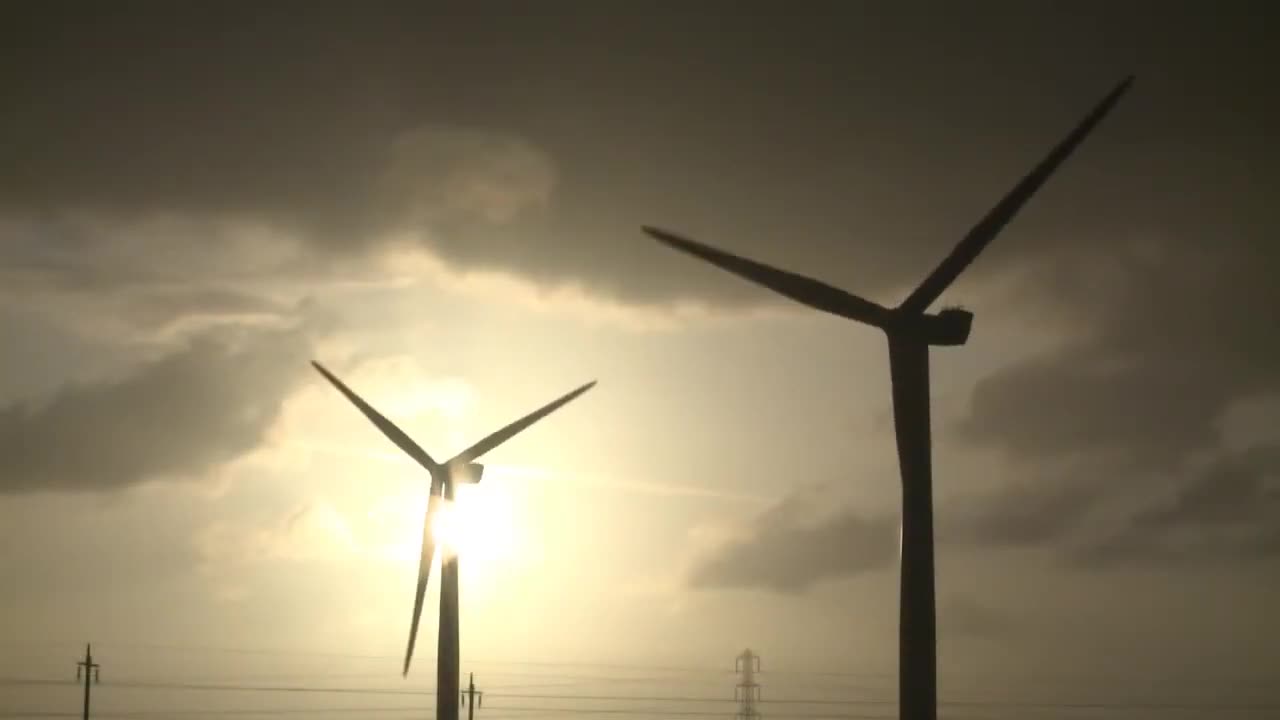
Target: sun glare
x=444, y=528
x=479, y=526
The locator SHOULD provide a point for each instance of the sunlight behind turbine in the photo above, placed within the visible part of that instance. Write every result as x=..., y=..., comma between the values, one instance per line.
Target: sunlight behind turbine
x=444, y=527
x=479, y=526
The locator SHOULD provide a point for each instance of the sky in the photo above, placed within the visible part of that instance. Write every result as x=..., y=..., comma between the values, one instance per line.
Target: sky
x=442, y=202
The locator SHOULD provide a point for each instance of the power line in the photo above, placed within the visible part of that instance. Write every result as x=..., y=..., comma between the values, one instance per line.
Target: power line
x=557, y=710
x=364, y=656
x=685, y=669
x=675, y=713
x=852, y=702
x=305, y=652
x=247, y=650
x=1048, y=705
x=36, y=681
x=246, y=677
x=271, y=688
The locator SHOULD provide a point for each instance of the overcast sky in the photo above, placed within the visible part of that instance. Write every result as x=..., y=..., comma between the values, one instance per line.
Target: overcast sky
x=442, y=203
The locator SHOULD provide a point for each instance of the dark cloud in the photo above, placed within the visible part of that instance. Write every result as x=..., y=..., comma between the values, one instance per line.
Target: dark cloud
x=798, y=543
x=538, y=142
x=1220, y=508
x=1231, y=491
x=1226, y=514
x=1021, y=515
x=130, y=284
x=176, y=417
x=256, y=119
x=1165, y=346
x=808, y=538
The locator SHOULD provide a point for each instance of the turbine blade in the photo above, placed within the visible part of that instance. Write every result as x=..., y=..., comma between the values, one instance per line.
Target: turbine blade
x=510, y=431
x=805, y=290
x=985, y=231
x=424, y=574
x=388, y=428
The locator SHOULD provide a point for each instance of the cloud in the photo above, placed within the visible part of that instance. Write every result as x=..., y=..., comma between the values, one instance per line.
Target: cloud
x=1226, y=514
x=293, y=152
x=153, y=282
x=797, y=543
x=810, y=536
x=1162, y=344
x=1166, y=341
x=1019, y=515
x=347, y=135
x=175, y=417
x=363, y=126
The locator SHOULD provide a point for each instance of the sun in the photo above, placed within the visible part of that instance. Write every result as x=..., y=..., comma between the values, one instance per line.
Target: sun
x=481, y=527
x=478, y=526
x=444, y=527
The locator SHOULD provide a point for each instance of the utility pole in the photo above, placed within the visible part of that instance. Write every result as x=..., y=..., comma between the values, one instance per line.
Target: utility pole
x=747, y=693
x=86, y=668
x=469, y=697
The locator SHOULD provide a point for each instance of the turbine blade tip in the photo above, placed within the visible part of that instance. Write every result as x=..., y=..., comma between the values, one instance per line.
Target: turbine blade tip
x=659, y=234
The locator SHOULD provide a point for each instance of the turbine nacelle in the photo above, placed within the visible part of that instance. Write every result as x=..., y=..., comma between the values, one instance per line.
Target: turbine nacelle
x=468, y=474
x=947, y=328
x=446, y=477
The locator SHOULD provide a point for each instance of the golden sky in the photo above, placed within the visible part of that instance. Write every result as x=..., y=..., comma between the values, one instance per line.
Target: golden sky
x=443, y=206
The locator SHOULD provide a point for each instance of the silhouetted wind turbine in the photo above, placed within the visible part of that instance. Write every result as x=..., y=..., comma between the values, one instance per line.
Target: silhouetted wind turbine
x=911, y=330
x=462, y=468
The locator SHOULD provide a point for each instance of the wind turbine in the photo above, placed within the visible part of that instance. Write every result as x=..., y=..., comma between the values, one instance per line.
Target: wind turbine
x=462, y=468
x=911, y=330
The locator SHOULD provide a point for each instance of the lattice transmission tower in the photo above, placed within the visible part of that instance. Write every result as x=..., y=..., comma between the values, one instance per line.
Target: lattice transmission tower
x=747, y=693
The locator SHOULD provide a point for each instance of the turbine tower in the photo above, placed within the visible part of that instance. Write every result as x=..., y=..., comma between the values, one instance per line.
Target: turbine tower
x=444, y=477
x=910, y=330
